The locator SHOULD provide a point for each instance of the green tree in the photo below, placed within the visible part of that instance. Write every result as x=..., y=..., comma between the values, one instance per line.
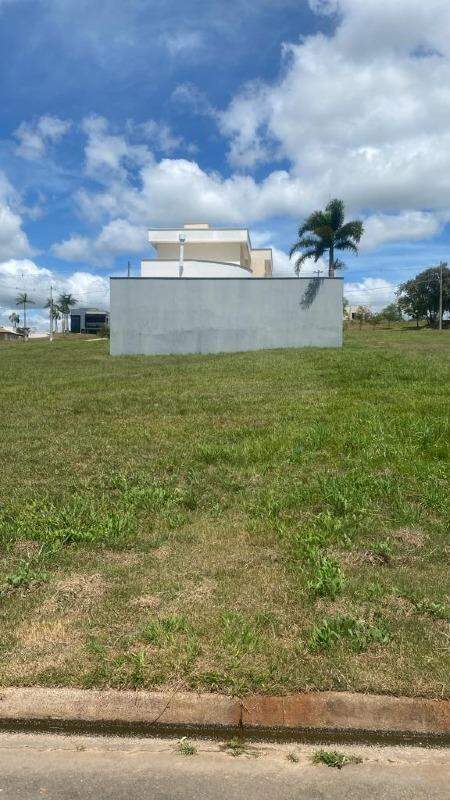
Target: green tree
x=326, y=232
x=363, y=314
x=65, y=302
x=392, y=313
x=418, y=298
x=56, y=311
x=14, y=319
x=24, y=300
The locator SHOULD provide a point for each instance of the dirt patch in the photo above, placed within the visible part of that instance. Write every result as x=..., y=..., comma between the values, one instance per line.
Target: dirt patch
x=161, y=553
x=78, y=591
x=26, y=547
x=410, y=537
x=123, y=558
x=148, y=601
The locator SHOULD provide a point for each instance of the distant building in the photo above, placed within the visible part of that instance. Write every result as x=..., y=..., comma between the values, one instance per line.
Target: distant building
x=10, y=335
x=198, y=251
x=88, y=320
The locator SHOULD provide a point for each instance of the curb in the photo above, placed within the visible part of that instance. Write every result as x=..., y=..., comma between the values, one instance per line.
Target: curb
x=342, y=713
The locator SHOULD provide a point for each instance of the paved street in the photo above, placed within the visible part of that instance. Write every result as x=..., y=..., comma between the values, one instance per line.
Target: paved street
x=62, y=767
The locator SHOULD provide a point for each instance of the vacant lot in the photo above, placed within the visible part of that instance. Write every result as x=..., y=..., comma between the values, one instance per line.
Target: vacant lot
x=269, y=521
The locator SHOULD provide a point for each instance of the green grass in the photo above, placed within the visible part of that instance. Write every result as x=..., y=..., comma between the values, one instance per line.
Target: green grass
x=271, y=522
x=332, y=758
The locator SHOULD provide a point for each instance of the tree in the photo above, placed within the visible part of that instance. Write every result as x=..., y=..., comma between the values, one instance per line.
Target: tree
x=363, y=314
x=65, y=301
x=22, y=299
x=418, y=298
x=392, y=313
x=14, y=319
x=326, y=231
x=56, y=312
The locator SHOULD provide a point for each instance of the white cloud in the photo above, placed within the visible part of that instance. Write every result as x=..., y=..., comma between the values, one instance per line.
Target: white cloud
x=411, y=225
x=373, y=292
x=24, y=275
x=75, y=248
x=175, y=189
x=13, y=239
x=117, y=237
x=107, y=155
x=184, y=43
x=363, y=113
x=160, y=136
x=33, y=137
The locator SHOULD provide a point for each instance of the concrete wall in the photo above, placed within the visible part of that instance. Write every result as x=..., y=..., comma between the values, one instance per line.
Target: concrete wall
x=195, y=315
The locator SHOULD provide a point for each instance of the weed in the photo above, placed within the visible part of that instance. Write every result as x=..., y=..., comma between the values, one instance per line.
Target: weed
x=293, y=757
x=357, y=632
x=328, y=579
x=433, y=608
x=382, y=550
x=239, y=633
x=332, y=758
x=163, y=630
x=238, y=747
x=186, y=748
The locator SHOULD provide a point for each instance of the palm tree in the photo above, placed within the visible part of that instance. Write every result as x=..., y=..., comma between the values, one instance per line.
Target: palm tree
x=55, y=311
x=326, y=231
x=22, y=299
x=14, y=319
x=65, y=301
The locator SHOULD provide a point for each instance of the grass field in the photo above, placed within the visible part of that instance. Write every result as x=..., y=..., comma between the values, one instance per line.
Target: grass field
x=270, y=521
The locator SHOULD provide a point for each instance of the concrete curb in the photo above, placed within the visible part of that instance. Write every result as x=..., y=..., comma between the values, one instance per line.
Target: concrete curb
x=340, y=712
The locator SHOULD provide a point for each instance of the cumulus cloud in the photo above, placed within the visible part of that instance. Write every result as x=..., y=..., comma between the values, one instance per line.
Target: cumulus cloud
x=411, y=225
x=363, y=113
x=24, y=275
x=13, y=239
x=117, y=237
x=107, y=155
x=372, y=292
x=33, y=137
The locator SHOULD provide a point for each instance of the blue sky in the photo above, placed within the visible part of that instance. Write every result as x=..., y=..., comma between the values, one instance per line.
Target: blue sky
x=119, y=115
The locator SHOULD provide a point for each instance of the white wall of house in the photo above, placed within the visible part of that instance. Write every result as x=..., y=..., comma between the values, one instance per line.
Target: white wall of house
x=158, y=268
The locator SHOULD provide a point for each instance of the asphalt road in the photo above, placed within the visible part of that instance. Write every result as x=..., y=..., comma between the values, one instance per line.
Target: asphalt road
x=62, y=767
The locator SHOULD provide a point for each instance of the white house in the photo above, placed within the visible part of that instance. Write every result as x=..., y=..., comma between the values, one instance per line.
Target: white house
x=198, y=251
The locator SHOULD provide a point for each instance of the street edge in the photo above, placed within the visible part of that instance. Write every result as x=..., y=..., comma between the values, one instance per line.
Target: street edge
x=342, y=713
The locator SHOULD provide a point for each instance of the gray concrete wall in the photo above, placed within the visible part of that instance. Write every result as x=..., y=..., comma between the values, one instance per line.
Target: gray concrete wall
x=208, y=315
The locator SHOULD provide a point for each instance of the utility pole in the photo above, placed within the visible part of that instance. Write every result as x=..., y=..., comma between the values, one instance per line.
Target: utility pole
x=318, y=272
x=51, y=313
x=181, y=239
x=441, y=267
x=129, y=269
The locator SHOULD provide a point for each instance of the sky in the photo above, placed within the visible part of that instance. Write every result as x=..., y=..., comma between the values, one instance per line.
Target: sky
x=119, y=115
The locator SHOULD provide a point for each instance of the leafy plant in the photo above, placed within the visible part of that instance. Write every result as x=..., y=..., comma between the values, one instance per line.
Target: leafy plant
x=332, y=758
x=328, y=580
x=359, y=633
x=186, y=748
